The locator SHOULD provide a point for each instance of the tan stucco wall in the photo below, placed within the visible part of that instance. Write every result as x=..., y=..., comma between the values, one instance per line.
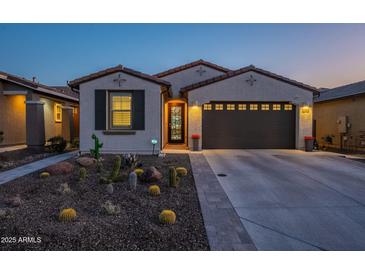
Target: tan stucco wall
x=264, y=89
x=327, y=113
x=189, y=76
x=12, y=121
x=52, y=128
x=140, y=142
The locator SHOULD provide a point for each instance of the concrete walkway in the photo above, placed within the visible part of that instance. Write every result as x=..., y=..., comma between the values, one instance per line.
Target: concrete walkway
x=20, y=171
x=223, y=226
x=12, y=148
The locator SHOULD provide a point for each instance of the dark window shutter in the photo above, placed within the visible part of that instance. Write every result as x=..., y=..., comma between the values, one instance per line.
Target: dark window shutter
x=138, y=109
x=100, y=109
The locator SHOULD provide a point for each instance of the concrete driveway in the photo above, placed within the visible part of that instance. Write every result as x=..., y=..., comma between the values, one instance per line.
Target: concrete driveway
x=293, y=200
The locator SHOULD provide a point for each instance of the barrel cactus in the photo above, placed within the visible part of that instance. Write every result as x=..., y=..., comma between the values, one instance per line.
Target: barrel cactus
x=173, y=178
x=132, y=181
x=138, y=171
x=181, y=171
x=67, y=215
x=44, y=175
x=154, y=190
x=167, y=216
x=82, y=174
x=116, y=168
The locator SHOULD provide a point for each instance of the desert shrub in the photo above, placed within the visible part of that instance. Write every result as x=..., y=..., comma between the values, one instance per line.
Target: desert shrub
x=57, y=144
x=44, y=175
x=167, y=217
x=67, y=215
x=110, y=208
x=129, y=160
x=154, y=190
x=75, y=143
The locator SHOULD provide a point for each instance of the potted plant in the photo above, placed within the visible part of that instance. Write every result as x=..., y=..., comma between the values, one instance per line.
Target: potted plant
x=196, y=138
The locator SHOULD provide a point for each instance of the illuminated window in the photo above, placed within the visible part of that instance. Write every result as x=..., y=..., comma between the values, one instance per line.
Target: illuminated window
x=265, y=107
x=254, y=107
x=121, y=110
x=288, y=107
x=276, y=107
x=218, y=106
x=230, y=106
x=241, y=106
x=58, y=113
x=207, y=107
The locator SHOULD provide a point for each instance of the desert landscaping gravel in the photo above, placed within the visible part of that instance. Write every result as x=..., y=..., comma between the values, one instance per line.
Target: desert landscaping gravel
x=34, y=224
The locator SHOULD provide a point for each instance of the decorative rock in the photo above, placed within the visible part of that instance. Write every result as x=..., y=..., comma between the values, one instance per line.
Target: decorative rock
x=85, y=161
x=151, y=174
x=110, y=188
x=60, y=168
x=14, y=201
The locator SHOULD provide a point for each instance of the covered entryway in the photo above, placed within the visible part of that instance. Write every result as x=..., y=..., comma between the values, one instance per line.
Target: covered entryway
x=238, y=125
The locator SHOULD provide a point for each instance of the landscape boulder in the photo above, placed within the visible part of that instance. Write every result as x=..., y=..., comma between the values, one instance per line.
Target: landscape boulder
x=85, y=161
x=60, y=168
x=151, y=174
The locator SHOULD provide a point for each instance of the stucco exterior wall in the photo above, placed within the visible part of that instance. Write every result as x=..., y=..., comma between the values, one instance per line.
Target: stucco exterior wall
x=52, y=128
x=140, y=142
x=264, y=89
x=189, y=76
x=12, y=121
x=327, y=113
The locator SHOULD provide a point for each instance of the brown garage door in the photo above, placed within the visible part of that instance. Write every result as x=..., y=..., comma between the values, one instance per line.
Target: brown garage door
x=234, y=125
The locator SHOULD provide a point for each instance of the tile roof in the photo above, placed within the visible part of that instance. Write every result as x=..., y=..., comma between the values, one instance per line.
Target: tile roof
x=75, y=83
x=341, y=92
x=190, y=65
x=234, y=73
x=69, y=94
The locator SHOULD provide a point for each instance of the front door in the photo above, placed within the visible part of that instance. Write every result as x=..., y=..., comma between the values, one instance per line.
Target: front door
x=176, y=123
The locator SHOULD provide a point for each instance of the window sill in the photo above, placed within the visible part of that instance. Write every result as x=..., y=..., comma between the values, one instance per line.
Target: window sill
x=119, y=132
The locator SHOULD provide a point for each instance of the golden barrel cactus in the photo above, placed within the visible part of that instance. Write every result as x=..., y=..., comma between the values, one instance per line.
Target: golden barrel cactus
x=154, y=190
x=44, y=175
x=138, y=171
x=181, y=171
x=167, y=217
x=67, y=215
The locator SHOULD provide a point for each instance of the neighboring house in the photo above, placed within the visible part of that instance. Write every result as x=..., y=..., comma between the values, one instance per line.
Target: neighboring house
x=339, y=116
x=31, y=113
x=244, y=108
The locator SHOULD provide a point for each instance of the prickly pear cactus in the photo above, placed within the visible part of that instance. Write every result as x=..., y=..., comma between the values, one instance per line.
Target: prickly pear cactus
x=132, y=180
x=97, y=146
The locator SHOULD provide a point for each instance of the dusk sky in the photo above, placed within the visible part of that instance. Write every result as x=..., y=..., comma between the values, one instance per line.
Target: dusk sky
x=322, y=55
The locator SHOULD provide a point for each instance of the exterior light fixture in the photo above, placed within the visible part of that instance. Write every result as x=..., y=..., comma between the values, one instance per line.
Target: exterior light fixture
x=195, y=104
x=153, y=142
x=305, y=109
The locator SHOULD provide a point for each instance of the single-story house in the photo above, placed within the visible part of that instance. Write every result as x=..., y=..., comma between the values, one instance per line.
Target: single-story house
x=339, y=117
x=244, y=108
x=31, y=113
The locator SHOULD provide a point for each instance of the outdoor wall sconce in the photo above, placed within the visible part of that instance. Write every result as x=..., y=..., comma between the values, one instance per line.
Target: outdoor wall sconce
x=195, y=104
x=305, y=109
